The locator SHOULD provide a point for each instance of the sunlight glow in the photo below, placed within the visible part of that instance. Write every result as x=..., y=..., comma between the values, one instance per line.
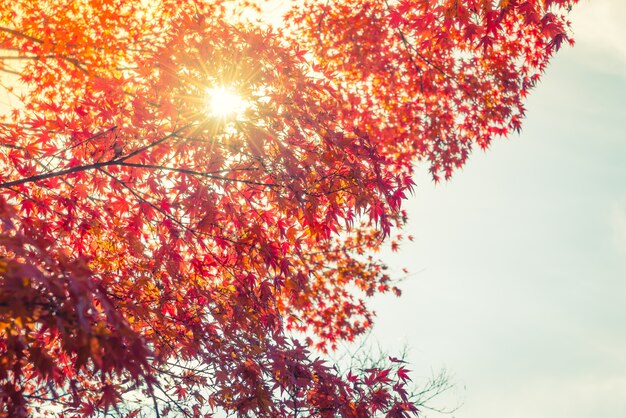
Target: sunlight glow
x=224, y=102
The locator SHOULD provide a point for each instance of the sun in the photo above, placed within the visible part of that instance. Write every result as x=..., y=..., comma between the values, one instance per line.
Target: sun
x=224, y=102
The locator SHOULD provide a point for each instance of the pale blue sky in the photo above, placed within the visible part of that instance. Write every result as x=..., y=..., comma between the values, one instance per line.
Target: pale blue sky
x=520, y=261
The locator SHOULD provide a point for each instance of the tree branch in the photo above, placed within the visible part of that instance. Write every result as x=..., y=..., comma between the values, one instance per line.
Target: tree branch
x=196, y=173
x=87, y=167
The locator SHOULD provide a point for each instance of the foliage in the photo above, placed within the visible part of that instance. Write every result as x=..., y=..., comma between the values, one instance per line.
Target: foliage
x=148, y=246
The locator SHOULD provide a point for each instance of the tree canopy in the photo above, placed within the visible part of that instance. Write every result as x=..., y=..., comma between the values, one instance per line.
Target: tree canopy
x=191, y=199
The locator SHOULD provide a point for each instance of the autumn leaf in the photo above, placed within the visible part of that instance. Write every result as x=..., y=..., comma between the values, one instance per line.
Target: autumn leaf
x=150, y=248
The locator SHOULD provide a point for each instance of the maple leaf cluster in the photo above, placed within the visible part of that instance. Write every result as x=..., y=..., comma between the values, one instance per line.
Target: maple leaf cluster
x=155, y=257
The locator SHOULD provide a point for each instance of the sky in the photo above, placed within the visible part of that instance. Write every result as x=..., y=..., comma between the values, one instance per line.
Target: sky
x=518, y=284
x=519, y=262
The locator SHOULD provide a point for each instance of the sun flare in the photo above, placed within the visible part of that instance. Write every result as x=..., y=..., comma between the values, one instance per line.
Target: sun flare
x=224, y=102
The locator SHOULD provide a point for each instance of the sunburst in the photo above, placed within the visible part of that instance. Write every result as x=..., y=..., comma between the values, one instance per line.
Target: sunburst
x=224, y=102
